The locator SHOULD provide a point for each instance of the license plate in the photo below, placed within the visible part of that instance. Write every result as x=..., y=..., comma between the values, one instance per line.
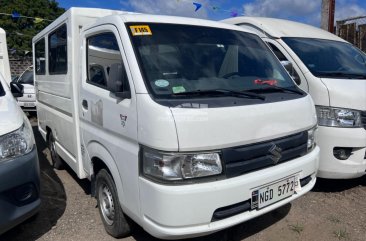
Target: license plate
x=275, y=192
x=29, y=105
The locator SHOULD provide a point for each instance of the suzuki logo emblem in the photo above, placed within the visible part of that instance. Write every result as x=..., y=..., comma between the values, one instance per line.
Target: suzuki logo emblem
x=276, y=153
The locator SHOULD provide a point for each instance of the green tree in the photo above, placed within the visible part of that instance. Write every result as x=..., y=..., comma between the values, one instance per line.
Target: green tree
x=20, y=31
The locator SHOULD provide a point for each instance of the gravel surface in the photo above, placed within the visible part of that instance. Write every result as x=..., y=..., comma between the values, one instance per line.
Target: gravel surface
x=333, y=210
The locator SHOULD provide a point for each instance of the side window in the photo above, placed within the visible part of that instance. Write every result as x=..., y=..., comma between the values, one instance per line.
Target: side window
x=102, y=54
x=57, y=50
x=277, y=52
x=286, y=63
x=40, y=57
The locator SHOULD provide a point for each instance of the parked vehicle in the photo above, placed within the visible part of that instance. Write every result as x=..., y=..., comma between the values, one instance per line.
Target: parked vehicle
x=333, y=72
x=4, y=58
x=176, y=122
x=28, y=101
x=19, y=166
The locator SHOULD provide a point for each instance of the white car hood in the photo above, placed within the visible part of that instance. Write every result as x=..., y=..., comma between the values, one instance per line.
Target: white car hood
x=216, y=128
x=11, y=116
x=347, y=93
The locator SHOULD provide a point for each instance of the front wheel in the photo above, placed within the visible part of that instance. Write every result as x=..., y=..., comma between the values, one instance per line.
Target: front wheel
x=110, y=210
x=55, y=158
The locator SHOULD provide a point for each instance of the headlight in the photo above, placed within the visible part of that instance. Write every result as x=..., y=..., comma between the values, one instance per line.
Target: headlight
x=338, y=117
x=180, y=166
x=312, y=138
x=17, y=143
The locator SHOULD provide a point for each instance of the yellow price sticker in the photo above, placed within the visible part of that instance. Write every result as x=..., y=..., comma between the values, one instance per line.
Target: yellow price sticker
x=137, y=30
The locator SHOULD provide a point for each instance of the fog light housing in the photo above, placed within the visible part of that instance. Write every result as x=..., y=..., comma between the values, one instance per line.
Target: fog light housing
x=342, y=153
x=24, y=194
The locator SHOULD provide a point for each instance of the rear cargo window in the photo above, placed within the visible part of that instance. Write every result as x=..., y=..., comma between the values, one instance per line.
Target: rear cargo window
x=40, y=57
x=57, y=51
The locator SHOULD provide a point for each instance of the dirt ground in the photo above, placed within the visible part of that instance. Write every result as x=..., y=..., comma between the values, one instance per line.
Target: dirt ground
x=333, y=210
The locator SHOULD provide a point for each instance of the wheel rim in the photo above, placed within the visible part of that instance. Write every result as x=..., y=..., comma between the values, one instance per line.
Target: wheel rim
x=53, y=150
x=106, y=204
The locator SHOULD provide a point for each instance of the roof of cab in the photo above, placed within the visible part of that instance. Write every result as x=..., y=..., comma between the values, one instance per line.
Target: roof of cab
x=278, y=28
x=95, y=14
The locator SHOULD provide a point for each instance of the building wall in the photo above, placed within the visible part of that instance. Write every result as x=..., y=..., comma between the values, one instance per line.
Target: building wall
x=18, y=65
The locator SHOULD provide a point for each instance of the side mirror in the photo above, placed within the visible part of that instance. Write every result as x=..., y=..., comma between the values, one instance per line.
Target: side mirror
x=16, y=89
x=117, y=81
x=291, y=70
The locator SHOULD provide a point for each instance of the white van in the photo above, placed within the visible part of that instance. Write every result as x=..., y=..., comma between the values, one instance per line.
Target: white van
x=19, y=166
x=334, y=73
x=28, y=101
x=175, y=121
x=4, y=57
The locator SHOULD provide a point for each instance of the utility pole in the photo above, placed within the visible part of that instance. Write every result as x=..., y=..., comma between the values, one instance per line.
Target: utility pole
x=327, y=17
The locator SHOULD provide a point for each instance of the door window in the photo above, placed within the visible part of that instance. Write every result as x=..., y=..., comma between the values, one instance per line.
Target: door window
x=102, y=53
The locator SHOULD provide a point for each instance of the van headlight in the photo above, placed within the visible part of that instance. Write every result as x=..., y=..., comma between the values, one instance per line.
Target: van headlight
x=179, y=166
x=312, y=138
x=338, y=117
x=17, y=143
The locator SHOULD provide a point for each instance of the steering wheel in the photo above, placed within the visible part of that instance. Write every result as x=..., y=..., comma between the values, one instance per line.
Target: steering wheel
x=228, y=75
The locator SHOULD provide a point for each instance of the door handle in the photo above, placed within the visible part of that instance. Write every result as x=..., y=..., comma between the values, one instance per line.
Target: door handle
x=84, y=103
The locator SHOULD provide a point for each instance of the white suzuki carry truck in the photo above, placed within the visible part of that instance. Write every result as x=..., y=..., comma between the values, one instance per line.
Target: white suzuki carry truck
x=333, y=71
x=186, y=126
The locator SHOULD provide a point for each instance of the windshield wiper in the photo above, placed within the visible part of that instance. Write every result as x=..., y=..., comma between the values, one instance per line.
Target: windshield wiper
x=341, y=74
x=224, y=92
x=275, y=87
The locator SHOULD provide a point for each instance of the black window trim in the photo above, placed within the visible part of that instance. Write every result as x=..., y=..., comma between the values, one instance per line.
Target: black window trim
x=49, y=46
x=35, y=53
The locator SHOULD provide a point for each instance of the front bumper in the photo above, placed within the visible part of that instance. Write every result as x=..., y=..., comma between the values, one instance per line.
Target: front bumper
x=27, y=105
x=19, y=190
x=333, y=168
x=173, y=212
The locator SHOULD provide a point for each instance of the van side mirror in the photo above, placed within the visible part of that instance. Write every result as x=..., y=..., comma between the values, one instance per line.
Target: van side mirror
x=117, y=80
x=16, y=89
x=291, y=70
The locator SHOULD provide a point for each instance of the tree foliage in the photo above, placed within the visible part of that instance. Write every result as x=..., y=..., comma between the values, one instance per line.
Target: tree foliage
x=20, y=31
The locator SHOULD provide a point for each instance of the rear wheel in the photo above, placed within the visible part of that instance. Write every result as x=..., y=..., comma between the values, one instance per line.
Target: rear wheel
x=55, y=158
x=114, y=221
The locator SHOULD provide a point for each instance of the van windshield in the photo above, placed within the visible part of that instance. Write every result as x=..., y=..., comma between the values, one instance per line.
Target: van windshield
x=177, y=60
x=26, y=78
x=329, y=59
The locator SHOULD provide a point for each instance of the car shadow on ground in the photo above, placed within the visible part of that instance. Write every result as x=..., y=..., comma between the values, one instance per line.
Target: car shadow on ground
x=53, y=199
x=335, y=185
x=235, y=233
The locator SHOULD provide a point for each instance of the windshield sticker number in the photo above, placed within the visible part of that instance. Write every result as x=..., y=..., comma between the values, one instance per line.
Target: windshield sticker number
x=138, y=30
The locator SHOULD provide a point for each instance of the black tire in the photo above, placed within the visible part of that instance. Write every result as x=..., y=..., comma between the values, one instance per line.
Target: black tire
x=115, y=222
x=56, y=160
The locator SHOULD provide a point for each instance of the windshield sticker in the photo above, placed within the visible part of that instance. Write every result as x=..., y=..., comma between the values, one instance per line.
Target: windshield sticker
x=138, y=30
x=162, y=83
x=178, y=89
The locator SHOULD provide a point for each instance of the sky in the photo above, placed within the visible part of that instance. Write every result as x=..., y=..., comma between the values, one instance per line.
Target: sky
x=306, y=11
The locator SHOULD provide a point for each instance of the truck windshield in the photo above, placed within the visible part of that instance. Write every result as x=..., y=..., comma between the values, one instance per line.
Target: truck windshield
x=26, y=78
x=182, y=60
x=329, y=59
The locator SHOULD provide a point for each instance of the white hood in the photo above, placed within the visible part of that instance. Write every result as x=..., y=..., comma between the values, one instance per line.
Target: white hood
x=347, y=93
x=216, y=128
x=11, y=116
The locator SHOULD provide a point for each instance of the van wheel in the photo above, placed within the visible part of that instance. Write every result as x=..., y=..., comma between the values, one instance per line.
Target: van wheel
x=110, y=210
x=55, y=158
